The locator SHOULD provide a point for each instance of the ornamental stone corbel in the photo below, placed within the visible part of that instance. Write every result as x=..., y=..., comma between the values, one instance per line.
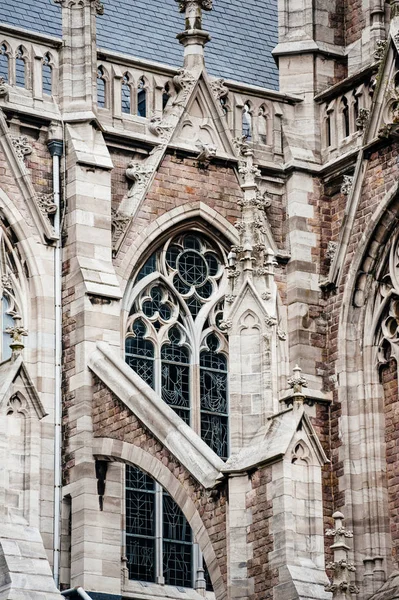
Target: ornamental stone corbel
x=206, y=153
x=347, y=185
x=158, y=127
x=22, y=146
x=46, y=204
x=379, y=51
x=139, y=173
x=219, y=89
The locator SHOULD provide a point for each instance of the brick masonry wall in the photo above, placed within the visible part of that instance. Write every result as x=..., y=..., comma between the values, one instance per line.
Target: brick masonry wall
x=113, y=420
x=354, y=20
x=389, y=378
x=180, y=182
x=260, y=537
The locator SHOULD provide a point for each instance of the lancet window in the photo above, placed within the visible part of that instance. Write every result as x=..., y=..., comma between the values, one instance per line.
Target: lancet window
x=20, y=67
x=141, y=98
x=101, y=87
x=173, y=339
x=4, y=62
x=159, y=542
x=247, y=121
x=126, y=94
x=47, y=74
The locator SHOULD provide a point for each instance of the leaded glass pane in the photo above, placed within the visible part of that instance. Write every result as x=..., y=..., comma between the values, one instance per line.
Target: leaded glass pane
x=140, y=554
x=213, y=392
x=100, y=88
x=192, y=268
x=214, y=432
x=139, y=353
x=177, y=545
x=140, y=524
x=20, y=70
x=46, y=79
x=126, y=92
x=176, y=375
x=148, y=267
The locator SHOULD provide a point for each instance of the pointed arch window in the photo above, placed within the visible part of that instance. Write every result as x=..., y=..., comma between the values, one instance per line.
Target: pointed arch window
x=20, y=75
x=345, y=117
x=101, y=87
x=126, y=94
x=173, y=338
x=4, y=62
x=262, y=125
x=159, y=542
x=165, y=95
x=47, y=73
x=247, y=121
x=141, y=98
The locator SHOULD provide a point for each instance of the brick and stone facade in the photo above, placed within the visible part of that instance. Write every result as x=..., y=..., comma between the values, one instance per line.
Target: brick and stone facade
x=113, y=168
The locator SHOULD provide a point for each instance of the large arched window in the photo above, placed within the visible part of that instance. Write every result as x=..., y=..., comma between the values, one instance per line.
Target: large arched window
x=159, y=542
x=173, y=337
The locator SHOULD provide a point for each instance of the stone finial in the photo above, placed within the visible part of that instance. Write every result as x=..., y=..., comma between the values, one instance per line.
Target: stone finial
x=194, y=37
x=340, y=586
x=16, y=332
x=297, y=382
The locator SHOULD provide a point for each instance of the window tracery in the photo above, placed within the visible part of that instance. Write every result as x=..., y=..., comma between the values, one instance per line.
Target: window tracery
x=173, y=338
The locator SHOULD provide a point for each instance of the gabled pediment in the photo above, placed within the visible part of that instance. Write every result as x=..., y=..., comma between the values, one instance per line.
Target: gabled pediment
x=15, y=379
x=274, y=441
x=384, y=110
x=249, y=298
x=203, y=121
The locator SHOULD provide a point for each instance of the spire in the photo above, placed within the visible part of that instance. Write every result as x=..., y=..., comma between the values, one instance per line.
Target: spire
x=194, y=37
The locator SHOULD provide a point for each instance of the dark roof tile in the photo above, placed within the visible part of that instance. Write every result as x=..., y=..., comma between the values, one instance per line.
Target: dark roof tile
x=243, y=34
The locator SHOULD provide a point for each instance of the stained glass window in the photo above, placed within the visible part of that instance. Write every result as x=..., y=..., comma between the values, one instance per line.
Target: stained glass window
x=176, y=311
x=214, y=410
x=153, y=554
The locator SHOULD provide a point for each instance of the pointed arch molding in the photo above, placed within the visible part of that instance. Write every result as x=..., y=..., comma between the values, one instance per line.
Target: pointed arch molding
x=195, y=213
x=362, y=424
x=110, y=449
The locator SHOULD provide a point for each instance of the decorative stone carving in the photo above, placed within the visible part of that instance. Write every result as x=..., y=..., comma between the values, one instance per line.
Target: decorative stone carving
x=46, y=204
x=331, y=250
x=3, y=88
x=159, y=128
x=340, y=585
x=281, y=334
x=270, y=321
x=139, y=173
x=119, y=224
x=241, y=146
x=184, y=82
x=204, y=4
x=22, y=146
x=16, y=332
x=207, y=152
x=347, y=184
x=97, y=5
x=230, y=298
x=297, y=381
x=219, y=89
x=380, y=50
x=362, y=118
x=225, y=325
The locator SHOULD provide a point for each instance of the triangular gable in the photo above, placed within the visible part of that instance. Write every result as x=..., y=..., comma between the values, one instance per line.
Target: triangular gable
x=273, y=441
x=385, y=93
x=267, y=307
x=20, y=175
x=14, y=377
x=203, y=122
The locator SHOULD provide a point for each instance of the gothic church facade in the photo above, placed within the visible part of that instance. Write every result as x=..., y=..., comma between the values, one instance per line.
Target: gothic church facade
x=199, y=300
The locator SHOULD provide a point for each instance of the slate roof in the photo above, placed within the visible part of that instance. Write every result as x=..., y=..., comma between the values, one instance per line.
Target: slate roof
x=243, y=33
